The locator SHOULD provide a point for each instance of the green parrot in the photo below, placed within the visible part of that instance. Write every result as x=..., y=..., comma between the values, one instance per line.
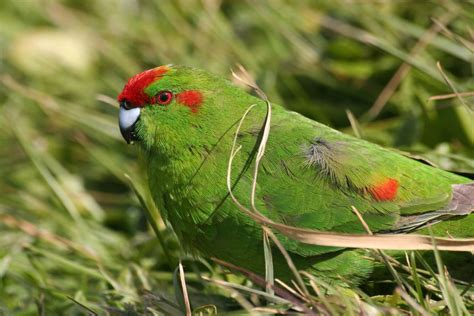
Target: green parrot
x=185, y=120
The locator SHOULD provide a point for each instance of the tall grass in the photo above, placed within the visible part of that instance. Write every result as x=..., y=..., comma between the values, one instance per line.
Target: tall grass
x=73, y=231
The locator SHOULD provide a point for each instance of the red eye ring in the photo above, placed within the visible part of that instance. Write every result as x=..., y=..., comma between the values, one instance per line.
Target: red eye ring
x=163, y=98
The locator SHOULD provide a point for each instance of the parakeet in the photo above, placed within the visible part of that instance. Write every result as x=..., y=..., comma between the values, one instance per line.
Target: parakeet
x=185, y=121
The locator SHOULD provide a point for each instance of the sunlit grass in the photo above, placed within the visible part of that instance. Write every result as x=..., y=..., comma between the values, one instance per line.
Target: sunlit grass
x=74, y=203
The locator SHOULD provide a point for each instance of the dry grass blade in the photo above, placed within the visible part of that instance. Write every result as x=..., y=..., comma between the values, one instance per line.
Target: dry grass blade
x=354, y=124
x=108, y=100
x=289, y=262
x=468, y=44
x=451, y=85
x=247, y=305
x=234, y=151
x=410, y=301
x=405, y=68
x=185, y=290
x=269, y=273
x=387, y=242
x=245, y=77
x=380, y=252
x=238, y=297
x=290, y=289
x=281, y=293
x=450, y=96
x=361, y=219
x=34, y=231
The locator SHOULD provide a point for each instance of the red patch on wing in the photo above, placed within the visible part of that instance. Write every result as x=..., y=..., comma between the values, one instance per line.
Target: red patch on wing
x=385, y=191
x=191, y=99
x=134, y=90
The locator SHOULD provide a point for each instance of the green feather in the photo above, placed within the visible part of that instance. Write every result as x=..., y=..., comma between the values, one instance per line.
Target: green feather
x=310, y=177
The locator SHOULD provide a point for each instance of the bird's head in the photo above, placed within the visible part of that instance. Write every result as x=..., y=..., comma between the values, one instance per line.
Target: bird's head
x=178, y=106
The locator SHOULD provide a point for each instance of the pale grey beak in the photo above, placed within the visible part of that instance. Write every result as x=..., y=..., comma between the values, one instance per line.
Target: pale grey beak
x=127, y=121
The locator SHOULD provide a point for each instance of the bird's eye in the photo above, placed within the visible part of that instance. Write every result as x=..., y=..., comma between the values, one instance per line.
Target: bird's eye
x=164, y=97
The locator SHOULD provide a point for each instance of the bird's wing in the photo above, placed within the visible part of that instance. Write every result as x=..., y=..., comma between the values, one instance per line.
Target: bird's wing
x=312, y=175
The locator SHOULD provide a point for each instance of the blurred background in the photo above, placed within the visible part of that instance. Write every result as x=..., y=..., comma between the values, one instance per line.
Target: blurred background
x=73, y=234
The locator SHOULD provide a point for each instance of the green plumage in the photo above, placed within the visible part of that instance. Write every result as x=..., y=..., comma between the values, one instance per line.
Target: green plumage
x=310, y=177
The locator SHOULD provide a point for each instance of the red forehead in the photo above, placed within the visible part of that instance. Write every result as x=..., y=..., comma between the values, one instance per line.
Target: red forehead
x=134, y=90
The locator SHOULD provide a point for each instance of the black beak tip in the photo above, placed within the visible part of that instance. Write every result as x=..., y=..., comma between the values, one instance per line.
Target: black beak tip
x=129, y=134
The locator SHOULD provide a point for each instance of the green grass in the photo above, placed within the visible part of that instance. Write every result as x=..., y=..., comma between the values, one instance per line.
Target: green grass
x=73, y=210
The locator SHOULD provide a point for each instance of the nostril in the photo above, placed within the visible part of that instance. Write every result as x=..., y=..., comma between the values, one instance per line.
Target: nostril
x=125, y=104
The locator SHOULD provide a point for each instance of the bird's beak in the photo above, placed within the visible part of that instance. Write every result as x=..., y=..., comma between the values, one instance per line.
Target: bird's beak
x=127, y=121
